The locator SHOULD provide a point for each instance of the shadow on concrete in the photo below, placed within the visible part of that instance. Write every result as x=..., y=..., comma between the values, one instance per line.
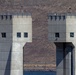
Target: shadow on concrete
x=8, y=65
x=62, y=50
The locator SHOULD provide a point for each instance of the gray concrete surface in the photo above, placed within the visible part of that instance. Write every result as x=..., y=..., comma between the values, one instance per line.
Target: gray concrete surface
x=63, y=25
x=11, y=46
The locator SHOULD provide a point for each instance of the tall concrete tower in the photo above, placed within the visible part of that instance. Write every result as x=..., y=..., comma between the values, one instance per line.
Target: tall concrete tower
x=62, y=31
x=15, y=32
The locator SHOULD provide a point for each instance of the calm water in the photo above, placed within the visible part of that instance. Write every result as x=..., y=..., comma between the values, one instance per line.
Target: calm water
x=39, y=73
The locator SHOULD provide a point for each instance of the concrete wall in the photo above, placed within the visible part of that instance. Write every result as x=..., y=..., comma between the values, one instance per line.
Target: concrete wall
x=64, y=59
x=11, y=47
x=70, y=27
x=56, y=25
x=65, y=55
x=59, y=59
x=5, y=44
x=62, y=26
x=22, y=23
x=6, y=26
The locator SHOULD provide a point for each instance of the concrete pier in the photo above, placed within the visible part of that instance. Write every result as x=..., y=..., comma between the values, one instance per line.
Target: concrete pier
x=59, y=60
x=62, y=31
x=17, y=59
x=15, y=32
x=70, y=62
x=64, y=59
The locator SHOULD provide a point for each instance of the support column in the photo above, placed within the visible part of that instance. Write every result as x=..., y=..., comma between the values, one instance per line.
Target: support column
x=68, y=60
x=59, y=59
x=17, y=59
x=64, y=59
x=74, y=61
x=5, y=58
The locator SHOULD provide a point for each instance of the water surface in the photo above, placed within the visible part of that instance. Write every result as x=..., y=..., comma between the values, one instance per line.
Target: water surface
x=39, y=73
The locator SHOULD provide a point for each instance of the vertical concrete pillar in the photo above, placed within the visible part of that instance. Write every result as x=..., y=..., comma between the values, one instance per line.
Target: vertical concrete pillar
x=64, y=60
x=73, y=61
x=59, y=59
x=68, y=60
x=5, y=58
x=17, y=59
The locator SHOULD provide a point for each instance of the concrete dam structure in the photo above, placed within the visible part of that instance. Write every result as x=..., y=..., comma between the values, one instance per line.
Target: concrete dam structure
x=15, y=32
x=62, y=31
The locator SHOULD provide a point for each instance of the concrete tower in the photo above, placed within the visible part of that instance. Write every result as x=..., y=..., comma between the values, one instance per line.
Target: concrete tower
x=15, y=32
x=62, y=31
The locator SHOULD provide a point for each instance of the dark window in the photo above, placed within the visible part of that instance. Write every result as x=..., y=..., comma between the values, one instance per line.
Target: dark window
x=51, y=17
x=59, y=17
x=2, y=17
x=25, y=34
x=6, y=17
x=63, y=17
x=55, y=17
x=71, y=34
x=10, y=16
x=3, y=35
x=18, y=34
x=56, y=34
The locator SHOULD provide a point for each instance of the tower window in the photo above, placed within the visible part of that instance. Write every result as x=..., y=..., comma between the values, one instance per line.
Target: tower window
x=6, y=17
x=71, y=34
x=2, y=17
x=51, y=17
x=59, y=17
x=55, y=17
x=10, y=16
x=63, y=17
x=25, y=34
x=18, y=34
x=56, y=34
x=3, y=35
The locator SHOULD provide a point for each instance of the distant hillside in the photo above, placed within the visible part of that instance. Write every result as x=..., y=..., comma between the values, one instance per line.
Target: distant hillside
x=40, y=50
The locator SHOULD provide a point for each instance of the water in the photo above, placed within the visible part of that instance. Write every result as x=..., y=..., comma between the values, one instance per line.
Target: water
x=39, y=73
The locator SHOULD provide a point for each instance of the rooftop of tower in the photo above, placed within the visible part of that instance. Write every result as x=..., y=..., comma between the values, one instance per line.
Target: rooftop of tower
x=19, y=13
x=61, y=14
